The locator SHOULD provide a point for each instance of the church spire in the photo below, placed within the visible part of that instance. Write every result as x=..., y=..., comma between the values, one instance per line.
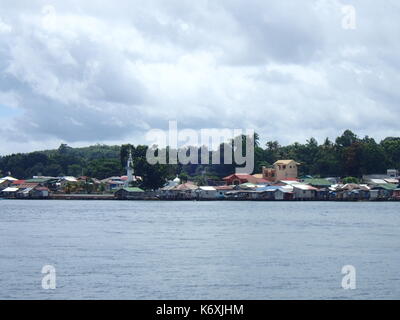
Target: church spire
x=129, y=169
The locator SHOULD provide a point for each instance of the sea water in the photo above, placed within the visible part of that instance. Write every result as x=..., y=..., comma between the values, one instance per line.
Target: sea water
x=199, y=250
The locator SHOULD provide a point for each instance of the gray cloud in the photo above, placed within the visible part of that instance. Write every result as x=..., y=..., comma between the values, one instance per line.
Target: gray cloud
x=95, y=71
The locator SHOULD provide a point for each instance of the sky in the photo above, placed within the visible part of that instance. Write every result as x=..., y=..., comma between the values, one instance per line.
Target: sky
x=87, y=72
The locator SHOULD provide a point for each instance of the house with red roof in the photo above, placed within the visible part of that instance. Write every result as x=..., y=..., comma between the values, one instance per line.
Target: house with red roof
x=240, y=178
x=18, y=182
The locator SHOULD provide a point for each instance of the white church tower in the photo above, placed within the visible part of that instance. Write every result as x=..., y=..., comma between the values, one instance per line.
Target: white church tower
x=129, y=170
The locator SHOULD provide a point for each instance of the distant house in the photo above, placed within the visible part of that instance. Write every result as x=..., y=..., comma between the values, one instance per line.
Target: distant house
x=374, y=194
x=281, y=170
x=287, y=182
x=240, y=194
x=32, y=191
x=264, y=192
x=113, y=183
x=173, y=183
x=222, y=190
x=129, y=193
x=23, y=193
x=246, y=186
x=318, y=183
x=382, y=191
x=48, y=182
x=390, y=177
x=392, y=181
x=207, y=193
x=304, y=192
x=396, y=194
x=393, y=173
x=239, y=178
x=322, y=194
x=184, y=191
x=353, y=191
x=9, y=178
x=18, y=183
x=4, y=184
x=377, y=181
x=26, y=185
x=10, y=192
x=284, y=193
x=39, y=193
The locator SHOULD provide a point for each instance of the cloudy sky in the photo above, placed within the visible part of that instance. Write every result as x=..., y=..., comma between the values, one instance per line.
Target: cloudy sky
x=86, y=72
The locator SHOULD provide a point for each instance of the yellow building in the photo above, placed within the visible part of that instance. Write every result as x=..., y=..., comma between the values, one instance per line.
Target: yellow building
x=282, y=170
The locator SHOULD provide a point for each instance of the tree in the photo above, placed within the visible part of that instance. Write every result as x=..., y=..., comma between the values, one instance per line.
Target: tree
x=346, y=139
x=348, y=155
x=351, y=159
x=350, y=180
x=154, y=176
x=64, y=149
x=74, y=170
x=102, y=169
x=391, y=147
x=53, y=170
x=373, y=158
x=327, y=162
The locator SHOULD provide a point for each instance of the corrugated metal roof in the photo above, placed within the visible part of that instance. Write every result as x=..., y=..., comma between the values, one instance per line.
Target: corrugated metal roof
x=10, y=189
x=285, y=162
x=267, y=188
x=387, y=186
x=16, y=182
x=304, y=187
x=392, y=180
x=290, y=182
x=70, y=179
x=317, y=182
x=248, y=177
x=8, y=178
x=207, y=188
x=133, y=189
x=185, y=186
x=38, y=180
x=286, y=188
x=41, y=189
x=224, y=188
x=378, y=181
x=28, y=185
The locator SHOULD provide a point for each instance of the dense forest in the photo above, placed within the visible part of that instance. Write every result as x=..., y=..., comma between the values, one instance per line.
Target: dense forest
x=348, y=155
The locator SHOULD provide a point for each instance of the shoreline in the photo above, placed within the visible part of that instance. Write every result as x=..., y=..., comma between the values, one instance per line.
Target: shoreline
x=112, y=198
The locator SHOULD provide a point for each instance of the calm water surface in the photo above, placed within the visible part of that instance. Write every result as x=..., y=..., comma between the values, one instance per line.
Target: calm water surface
x=199, y=250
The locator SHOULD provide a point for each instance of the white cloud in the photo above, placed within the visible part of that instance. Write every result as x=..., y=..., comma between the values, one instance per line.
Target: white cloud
x=4, y=27
x=90, y=71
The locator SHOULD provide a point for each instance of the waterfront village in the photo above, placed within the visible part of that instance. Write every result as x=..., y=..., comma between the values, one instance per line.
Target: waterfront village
x=279, y=182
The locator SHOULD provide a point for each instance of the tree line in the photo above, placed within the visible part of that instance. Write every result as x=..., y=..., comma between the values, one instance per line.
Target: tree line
x=347, y=155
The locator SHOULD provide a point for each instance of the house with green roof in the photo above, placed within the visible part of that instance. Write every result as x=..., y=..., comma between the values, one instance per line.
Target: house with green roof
x=382, y=191
x=318, y=182
x=133, y=193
